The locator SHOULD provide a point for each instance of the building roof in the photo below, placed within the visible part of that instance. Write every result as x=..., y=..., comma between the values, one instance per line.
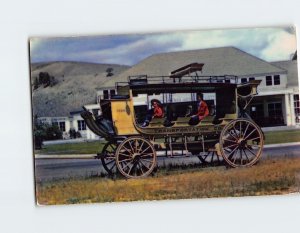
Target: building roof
x=217, y=61
x=292, y=71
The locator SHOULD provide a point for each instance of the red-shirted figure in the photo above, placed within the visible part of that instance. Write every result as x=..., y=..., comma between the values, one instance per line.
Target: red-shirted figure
x=201, y=112
x=156, y=112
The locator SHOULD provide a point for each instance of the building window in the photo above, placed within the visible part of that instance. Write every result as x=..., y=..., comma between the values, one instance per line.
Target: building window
x=227, y=80
x=275, y=114
x=81, y=125
x=61, y=125
x=105, y=94
x=243, y=80
x=269, y=81
x=275, y=109
x=251, y=79
x=297, y=108
x=112, y=93
x=276, y=79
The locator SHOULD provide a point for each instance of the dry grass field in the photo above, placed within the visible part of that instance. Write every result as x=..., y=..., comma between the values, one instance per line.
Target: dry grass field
x=269, y=177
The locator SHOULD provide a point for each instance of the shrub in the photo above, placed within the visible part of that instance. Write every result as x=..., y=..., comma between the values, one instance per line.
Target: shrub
x=44, y=132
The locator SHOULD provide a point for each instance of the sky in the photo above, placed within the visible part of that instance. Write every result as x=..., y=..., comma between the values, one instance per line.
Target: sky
x=269, y=44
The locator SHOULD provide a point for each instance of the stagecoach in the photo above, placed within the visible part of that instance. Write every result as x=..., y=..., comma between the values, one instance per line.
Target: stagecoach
x=227, y=132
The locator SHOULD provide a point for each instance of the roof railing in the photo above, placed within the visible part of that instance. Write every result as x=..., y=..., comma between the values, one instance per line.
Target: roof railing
x=144, y=79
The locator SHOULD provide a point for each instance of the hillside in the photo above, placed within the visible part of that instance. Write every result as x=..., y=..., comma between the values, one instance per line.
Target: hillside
x=76, y=84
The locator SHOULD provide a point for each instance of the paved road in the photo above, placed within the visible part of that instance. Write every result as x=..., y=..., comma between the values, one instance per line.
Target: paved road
x=49, y=169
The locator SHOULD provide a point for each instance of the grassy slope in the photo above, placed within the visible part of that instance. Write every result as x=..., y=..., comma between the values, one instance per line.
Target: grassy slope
x=76, y=86
x=268, y=177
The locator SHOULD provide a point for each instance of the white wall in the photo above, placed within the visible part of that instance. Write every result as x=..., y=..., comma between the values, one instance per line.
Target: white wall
x=263, y=87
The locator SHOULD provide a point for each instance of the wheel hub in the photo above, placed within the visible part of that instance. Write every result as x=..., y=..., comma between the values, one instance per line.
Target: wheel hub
x=136, y=156
x=242, y=143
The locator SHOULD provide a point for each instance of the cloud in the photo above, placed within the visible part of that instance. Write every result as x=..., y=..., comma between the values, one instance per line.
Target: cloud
x=267, y=43
x=281, y=46
x=130, y=50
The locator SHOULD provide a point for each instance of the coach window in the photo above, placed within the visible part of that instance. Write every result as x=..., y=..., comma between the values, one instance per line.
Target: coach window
x=269, y=81
x=251, y=79
x=276, y=79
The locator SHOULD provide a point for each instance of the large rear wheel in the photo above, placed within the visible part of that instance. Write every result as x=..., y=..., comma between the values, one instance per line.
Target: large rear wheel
x=241, y=143
x=135, y=157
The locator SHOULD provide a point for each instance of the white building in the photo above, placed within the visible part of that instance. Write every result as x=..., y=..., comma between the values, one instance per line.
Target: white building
x=277, y=103
x=75, y=122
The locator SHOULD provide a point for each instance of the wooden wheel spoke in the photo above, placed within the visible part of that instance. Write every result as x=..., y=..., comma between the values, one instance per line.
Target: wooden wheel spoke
x=144, y=165
x=111, y=161
x=229, y=132
x=206, y=156
x=128, y=150
x=132, y=150
x=124, y=154
x=125, y=160
x=225, y=139
x=147, y=160
x=141, y=147
x=246, y=155
x=130, y=169
x=144, y=155
x=252, y=139
x=141, y=167
x=241, y=156
x=231, y=145
x=212, y=157
x=145, y=150
x=230, y=155
x=135, y=146
x=241, y=133
x=249, y=134
x=246, y=128
x=235, y=132
x=112, y=147
x=250, y=151
x=235, y=157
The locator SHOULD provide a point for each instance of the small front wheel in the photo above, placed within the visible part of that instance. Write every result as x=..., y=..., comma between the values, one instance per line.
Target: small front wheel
x=135, y=157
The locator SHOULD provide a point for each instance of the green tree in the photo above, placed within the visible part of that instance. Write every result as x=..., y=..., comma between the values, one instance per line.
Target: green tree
x=109, y=72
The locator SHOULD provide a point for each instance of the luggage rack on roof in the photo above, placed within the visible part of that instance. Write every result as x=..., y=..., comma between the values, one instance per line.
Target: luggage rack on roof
x=144, y=79
x=181, y=75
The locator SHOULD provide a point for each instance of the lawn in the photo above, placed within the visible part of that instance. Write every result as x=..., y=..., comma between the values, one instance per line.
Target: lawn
x=282, y=136
x=271, y=176
x=73, y=148
x=95, y=147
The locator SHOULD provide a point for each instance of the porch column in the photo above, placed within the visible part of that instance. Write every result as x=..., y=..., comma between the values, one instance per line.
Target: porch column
x=293, y=120
x=287, y=110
